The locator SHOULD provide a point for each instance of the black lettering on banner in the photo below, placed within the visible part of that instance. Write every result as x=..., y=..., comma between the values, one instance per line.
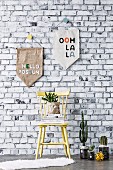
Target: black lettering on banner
x=72, y=40
x=61, y=40
x=72, y=47
x=67, y=47
x=67, y=54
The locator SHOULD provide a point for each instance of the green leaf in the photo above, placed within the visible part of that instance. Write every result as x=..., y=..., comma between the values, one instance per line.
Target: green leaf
x=50, y=97
x=91, y=148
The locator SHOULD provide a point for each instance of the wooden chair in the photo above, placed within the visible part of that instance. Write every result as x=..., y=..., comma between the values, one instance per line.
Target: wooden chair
x=62, y=98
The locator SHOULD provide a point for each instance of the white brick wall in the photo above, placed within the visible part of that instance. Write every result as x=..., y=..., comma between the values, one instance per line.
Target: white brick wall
x=90, y=79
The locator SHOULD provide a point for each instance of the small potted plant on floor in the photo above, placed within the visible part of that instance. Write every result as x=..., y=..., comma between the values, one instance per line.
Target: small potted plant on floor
x=91, y=153
x=52, y=101
x=83, y=135
x=103, y=147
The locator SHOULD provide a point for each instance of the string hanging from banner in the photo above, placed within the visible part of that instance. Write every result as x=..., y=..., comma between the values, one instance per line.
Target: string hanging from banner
x=65, y=20
x=30, y=37
x=37, y=42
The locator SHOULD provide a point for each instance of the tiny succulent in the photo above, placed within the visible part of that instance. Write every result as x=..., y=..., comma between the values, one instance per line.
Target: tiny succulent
x=91, y=148
x=103, y=140
x=50, y=97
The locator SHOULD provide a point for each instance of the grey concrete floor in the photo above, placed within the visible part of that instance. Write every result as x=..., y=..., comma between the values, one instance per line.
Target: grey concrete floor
x=78, y=165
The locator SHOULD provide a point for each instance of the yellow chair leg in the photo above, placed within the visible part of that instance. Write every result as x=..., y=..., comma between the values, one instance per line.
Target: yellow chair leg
x=67, y=143
x=39, y=142
x=65, y=148
x=43, y=137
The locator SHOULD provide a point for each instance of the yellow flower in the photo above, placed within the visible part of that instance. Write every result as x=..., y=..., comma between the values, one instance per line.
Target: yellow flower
x=99, y=156
x=29, y=37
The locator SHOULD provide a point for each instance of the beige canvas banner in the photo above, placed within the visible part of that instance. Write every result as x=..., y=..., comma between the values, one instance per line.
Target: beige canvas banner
x=29, y=66
x=66, y=46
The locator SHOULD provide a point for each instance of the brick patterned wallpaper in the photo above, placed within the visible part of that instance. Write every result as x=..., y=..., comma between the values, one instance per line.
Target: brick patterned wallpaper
x=90, y=79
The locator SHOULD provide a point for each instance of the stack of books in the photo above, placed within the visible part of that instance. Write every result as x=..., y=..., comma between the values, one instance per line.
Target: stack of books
x=53, y=118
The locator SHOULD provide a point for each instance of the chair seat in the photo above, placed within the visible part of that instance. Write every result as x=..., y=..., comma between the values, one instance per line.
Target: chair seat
x=53, y=123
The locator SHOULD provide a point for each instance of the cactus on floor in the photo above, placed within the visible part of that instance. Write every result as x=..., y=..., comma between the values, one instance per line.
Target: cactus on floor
x=83, y=133
x=103, y=140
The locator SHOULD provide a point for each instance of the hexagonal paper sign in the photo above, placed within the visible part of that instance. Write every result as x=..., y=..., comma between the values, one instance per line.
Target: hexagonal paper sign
x=29, y=66
x=66, y=46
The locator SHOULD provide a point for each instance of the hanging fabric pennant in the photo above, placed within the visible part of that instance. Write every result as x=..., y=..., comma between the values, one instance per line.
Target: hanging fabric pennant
x=66, y=46
x=29, y=66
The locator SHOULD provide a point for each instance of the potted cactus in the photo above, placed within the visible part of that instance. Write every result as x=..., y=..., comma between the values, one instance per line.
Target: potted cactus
x=83, y=135
x=52, y=102
x=91, y=153
x=103, y=147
